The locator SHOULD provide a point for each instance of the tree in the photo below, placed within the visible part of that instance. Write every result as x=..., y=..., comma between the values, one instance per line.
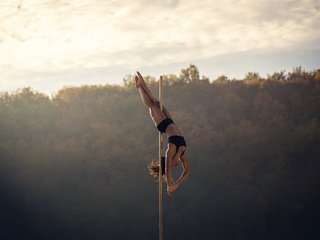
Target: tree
x=317, y=74
x=252, y=78
x=277, y=76
x=190, y=74
x=221, y=79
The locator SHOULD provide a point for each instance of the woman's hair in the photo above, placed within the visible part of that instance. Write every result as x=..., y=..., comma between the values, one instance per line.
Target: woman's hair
x=154, y=169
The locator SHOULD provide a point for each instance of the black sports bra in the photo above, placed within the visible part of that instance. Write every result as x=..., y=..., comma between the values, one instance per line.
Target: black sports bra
x=162, y=126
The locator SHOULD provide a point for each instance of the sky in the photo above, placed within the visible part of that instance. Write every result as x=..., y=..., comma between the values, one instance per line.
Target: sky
x=49, y=44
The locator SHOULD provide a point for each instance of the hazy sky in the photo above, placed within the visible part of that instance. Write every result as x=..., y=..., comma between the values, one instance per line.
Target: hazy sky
x=47, y=44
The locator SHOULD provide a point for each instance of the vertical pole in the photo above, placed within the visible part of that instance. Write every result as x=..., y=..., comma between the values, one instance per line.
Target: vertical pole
x=160, y=166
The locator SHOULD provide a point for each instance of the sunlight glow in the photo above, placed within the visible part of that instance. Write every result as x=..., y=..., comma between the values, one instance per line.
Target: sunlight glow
x=53, y=36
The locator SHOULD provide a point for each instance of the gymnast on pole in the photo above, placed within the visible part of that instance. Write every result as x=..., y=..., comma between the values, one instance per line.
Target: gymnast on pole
x=175, y=153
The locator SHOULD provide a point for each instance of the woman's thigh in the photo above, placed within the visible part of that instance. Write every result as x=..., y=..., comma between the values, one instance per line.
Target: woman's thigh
x=156, y=114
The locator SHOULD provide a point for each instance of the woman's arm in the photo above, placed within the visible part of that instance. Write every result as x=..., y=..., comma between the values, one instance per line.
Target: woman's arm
x=171, y=187
x=183, y=177
x=185, y=173
x=169, y=155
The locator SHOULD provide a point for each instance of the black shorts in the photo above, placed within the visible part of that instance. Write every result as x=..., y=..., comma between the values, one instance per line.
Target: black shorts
x=178, y=141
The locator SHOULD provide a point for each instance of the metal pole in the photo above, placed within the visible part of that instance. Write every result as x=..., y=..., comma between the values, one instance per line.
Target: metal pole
x=160, y=166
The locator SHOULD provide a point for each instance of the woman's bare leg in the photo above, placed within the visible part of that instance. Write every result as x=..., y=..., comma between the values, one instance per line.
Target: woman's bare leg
x=155, y=112
x=165, y=111
x=146, y=88
x=145, y=98
x=152, y=98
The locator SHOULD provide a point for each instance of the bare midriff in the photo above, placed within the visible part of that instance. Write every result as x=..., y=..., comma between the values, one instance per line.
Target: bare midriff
x=172, y=130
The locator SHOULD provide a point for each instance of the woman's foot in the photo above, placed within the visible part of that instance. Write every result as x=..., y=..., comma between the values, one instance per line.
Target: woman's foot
x=137, y=81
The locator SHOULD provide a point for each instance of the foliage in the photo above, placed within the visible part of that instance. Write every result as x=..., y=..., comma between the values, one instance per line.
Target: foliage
x=75, y=166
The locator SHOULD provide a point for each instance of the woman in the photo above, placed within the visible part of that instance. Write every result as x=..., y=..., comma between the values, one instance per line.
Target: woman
x=176, y=143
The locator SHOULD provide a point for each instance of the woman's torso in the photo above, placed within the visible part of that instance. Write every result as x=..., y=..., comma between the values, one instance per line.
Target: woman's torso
x=172, y=130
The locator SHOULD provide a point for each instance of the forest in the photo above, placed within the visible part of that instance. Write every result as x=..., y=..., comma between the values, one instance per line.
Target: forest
x=74, y=165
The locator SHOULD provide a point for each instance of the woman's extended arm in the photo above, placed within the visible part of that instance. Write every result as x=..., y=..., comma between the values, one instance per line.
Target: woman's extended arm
x=185, y=173
x=169, y=155
x=171, y=187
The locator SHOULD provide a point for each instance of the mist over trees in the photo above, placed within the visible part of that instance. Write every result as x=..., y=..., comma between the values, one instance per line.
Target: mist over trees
x=74, y=166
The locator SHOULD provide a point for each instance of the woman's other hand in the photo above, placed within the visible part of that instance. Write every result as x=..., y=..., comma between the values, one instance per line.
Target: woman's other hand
x=171, y=188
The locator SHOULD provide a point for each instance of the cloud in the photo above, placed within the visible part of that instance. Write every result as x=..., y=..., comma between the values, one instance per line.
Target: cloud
x=53, y=36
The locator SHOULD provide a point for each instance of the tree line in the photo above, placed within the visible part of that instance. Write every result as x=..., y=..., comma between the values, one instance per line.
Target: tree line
x=74, y=165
